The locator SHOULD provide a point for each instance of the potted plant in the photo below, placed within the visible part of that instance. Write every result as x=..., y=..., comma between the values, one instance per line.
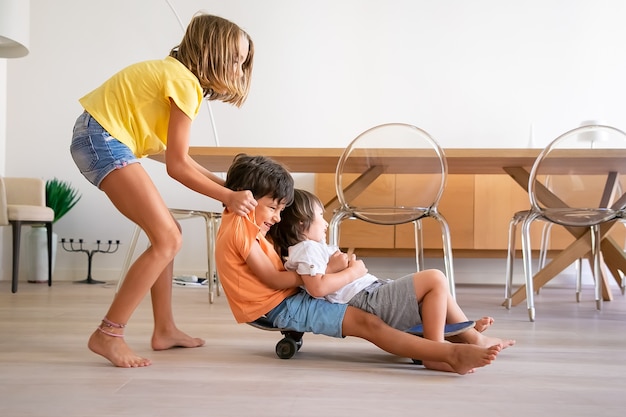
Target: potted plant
x=61, y=197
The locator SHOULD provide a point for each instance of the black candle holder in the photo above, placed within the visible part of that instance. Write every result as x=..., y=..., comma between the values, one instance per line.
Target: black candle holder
x=90, y=253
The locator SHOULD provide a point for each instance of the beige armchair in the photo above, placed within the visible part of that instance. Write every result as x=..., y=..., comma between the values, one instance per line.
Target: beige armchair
x=23, y=202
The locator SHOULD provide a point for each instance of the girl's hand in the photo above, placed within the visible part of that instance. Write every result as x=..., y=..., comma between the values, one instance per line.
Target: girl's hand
x=241, y=202
x=337, y=262
x=357, y=266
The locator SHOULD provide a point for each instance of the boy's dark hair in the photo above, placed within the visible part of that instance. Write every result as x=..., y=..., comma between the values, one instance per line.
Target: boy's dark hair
x=263, y=176
x=295, y=221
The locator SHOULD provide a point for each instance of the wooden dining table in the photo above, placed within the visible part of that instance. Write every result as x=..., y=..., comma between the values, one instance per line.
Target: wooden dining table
x=516, y=162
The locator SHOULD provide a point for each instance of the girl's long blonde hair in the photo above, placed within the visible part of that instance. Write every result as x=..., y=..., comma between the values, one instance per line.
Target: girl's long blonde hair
x=209, y=50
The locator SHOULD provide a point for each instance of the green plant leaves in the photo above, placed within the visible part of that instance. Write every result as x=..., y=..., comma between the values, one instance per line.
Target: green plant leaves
x=61, y=196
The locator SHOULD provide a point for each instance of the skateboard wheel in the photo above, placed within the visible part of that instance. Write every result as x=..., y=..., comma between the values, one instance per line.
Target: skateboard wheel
x=286, y=348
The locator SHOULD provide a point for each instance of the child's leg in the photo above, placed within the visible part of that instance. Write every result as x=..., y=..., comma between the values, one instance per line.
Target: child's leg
x=430, y=282
x=132, y=192
x=431, y=291
x=462, y=358
x=166, y=335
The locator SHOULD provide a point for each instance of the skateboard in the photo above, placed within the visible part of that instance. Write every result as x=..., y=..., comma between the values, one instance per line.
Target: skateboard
x=288, y=345
x=449, y=330
x=291, y=342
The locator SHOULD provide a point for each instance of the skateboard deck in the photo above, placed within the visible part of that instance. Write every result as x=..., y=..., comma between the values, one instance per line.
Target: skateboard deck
x=451, y=329
x=291, y=342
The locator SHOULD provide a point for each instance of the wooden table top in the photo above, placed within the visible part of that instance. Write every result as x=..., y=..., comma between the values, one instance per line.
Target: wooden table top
x=324, y=160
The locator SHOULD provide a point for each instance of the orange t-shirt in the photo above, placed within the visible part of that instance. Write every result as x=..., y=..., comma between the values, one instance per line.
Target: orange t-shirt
x=249, y=298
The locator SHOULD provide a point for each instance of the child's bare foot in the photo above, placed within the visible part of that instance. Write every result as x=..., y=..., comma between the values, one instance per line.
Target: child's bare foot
x=115, y=350
x=162, y=340
x=484, y=341
x=483, y=324
x=440, y=366
x=465, y=358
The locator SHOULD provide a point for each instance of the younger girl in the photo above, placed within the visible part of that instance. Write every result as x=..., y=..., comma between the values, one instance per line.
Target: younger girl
x=144, y=109
x=402, y=303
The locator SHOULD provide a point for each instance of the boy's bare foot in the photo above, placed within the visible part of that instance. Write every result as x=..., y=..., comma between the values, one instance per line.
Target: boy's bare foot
x=466, y=358
x=174, y=338
x=440, y=366
x=115, y=350
x=483, y=324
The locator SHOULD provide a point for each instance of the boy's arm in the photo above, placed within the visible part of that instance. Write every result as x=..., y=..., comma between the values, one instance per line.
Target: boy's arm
x=262, y=267
x=321, y=285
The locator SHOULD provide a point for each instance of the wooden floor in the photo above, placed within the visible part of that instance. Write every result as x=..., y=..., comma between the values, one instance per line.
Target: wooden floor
x=570, y=362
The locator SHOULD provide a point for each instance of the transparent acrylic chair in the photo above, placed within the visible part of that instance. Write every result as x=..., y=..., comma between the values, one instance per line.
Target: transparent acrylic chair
x=544, y=247
x=585, y=167
x=413, y=157
x=212, y=221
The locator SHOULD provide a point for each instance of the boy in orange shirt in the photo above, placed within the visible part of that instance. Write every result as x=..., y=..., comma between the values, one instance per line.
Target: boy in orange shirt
x=256, y=283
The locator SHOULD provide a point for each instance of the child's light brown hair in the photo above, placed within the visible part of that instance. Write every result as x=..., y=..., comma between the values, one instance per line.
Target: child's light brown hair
x=209, y=50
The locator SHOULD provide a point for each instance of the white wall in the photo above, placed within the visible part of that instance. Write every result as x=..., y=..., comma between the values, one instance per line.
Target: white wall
x=472, y=73
x=3, y=113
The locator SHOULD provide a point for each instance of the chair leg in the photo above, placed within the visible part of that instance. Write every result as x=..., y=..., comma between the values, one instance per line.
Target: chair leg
x=215, y=225
x=579, y=278
x=447, y=251
x=545, y=245
x=333, y=227
x=510, y=260
x=528, y=272
x=208, y=223
x=17, y=228
x=49, y=233
x=419, y=245
x=595, y=253
x=129, y=257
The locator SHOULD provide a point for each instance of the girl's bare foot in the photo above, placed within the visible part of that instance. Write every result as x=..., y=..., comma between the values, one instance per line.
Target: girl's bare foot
x=115, y=350
x=483, y=324
x=162, y=340
x=465, y=358
x=484, y=341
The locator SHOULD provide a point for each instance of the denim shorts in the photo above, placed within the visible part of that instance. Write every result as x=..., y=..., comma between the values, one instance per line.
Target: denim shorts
x=95, y=152
x=394, y=302
x=303, y=313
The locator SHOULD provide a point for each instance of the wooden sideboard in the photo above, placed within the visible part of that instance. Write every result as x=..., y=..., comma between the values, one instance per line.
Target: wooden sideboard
x=478, y=209
x=485, y=188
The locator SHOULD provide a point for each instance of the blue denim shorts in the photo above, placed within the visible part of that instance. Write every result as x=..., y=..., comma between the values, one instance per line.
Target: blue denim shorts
x=95, y=152
x=303, y=313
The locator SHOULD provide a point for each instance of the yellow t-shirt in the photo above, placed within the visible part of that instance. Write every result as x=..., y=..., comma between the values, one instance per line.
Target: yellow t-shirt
x=133, y=105
x=247, y=296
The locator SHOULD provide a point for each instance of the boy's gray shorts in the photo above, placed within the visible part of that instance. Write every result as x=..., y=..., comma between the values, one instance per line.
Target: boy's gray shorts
x=394, y=301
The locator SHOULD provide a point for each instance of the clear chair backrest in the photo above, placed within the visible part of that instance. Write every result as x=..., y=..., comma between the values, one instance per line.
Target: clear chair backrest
x=582, y=169
x=398, y=165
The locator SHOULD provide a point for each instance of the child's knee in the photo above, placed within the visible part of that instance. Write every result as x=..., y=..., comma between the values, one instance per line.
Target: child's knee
x=432, y=278
x=360, y=323
x=168, y=245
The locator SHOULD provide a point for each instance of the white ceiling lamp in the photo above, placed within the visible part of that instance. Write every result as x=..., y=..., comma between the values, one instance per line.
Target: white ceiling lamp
x=14, y=28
